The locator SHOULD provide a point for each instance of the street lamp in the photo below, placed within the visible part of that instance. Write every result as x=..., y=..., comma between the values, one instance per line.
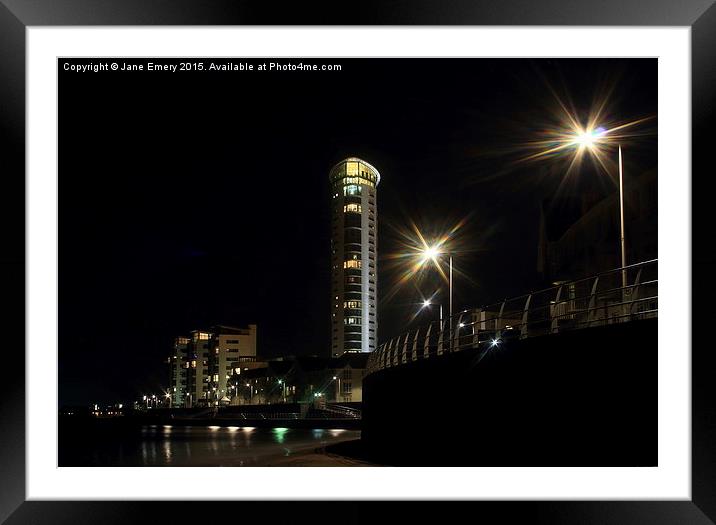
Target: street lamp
x=432, y=253
x=589, y=139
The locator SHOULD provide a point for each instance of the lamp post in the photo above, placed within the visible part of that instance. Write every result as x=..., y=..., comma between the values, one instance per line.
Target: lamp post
x=338, y=391
x=621, y=222
x=588, y=139
x=432, y=252
x=283, y=389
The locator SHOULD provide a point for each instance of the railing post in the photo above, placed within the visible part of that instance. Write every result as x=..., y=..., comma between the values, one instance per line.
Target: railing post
x=394, y=359
x=456, y=338
x=404, y=356
x=415, y=345
x=426, y=343
x=498, y=322
x=635, y=292
x=592, y=301
x=440, y=337
x=556, y=313
x=523, y=327
x=475, y=327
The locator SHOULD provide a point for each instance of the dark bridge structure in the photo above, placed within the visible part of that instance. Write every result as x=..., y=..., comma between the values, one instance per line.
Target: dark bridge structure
x=565, y=376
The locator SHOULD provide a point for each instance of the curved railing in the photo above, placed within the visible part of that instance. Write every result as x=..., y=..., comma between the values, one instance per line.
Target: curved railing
x=616, y=296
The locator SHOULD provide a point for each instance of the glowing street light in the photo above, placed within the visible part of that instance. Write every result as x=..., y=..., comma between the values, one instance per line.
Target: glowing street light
x=589, y=139
x=431, y=253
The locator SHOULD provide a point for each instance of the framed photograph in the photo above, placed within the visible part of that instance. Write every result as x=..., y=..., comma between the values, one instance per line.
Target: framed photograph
x=413, y=258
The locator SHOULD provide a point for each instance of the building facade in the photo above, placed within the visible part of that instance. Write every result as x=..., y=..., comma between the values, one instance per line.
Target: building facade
x=303, y=380
x=232, y=348
x=202, y=364
x=179, y=371
x=354, y=249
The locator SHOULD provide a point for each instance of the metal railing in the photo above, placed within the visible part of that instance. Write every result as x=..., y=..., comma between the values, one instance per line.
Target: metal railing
x=343, y=411
x=616, y=296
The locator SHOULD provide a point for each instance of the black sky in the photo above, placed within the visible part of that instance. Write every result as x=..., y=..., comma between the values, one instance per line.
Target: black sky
x=192, y=199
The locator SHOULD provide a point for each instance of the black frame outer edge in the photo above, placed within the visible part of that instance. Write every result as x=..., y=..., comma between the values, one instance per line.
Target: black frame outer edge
x=15, y=15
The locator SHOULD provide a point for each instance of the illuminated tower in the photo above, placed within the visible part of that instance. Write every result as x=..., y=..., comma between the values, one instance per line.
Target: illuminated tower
x=354, y=247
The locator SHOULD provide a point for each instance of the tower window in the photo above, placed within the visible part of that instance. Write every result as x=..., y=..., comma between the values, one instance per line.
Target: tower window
x=352, y=189
x=352, y=208
x=353, y=263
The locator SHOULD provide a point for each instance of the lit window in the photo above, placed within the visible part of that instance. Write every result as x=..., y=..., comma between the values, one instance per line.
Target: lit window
x=351, y=169
x=203, y=336
x=352, y=320
x=358, y=180
x=352, y=304
x=352, y=189
x=352, y=264
x=352, y=208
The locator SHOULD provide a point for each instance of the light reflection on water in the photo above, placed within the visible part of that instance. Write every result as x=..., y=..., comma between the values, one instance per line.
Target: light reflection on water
x=172, y=445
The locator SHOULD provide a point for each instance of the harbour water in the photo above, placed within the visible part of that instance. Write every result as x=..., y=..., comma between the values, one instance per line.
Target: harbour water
x=202, y=446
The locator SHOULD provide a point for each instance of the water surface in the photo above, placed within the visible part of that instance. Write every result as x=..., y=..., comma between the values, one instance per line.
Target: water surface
x=200, y=446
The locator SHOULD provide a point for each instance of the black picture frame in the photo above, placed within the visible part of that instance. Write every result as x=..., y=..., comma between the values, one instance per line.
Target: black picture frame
x=17, y=15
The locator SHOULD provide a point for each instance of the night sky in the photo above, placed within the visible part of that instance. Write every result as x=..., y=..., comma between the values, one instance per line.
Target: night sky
x=192, y=199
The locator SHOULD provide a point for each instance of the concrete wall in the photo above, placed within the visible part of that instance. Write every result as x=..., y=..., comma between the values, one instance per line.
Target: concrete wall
x=587, y=398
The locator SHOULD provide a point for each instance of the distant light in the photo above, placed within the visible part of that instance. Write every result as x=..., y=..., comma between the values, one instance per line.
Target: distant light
x=213, y=427
x=494, y=342
x=462, y=325
x=334, y=378
x=426, y=303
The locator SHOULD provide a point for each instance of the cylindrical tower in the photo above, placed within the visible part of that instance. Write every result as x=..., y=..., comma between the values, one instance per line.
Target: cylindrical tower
x=354, y=249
